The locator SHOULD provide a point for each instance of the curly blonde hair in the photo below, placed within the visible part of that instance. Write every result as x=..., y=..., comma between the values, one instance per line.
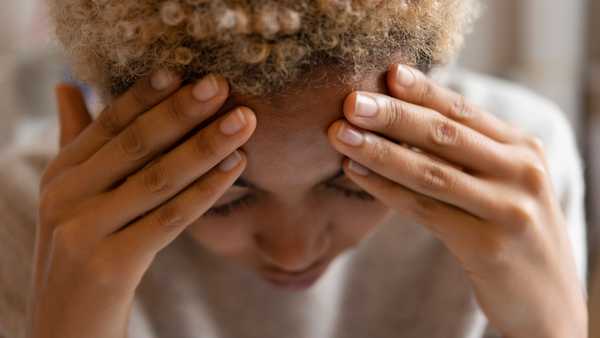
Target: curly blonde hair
x=259, y=46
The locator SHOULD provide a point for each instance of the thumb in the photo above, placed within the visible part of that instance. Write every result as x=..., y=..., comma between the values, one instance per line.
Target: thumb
x=73, y=114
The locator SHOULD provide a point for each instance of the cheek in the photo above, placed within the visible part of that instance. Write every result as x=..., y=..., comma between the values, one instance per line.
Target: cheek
x=228, y=237
x=356, y=221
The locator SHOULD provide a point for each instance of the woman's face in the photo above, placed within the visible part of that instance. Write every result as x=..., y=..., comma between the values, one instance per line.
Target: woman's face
x=292, y=206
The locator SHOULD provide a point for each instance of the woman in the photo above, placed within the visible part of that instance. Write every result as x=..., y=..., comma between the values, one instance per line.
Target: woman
x=253, y=148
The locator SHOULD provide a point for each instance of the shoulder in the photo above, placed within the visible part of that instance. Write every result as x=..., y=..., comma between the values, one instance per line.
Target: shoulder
x=542, y=118
x=21, y=166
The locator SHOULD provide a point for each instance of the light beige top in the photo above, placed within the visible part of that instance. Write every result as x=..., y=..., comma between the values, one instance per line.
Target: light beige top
x=400, y=281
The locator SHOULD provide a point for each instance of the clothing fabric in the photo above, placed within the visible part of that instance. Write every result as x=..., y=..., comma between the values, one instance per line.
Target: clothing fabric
x=399, y=282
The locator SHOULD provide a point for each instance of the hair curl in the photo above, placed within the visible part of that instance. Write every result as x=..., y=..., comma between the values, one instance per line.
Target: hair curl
x=257, y=45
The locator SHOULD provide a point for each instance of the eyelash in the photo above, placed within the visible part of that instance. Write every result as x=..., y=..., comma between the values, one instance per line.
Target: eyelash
x=227, y=209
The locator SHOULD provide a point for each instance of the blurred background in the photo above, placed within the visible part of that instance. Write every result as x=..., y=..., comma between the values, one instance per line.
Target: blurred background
x=550, y=46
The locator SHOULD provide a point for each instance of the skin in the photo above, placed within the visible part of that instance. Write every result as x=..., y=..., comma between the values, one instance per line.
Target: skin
x=479, y=184
x=292, y=220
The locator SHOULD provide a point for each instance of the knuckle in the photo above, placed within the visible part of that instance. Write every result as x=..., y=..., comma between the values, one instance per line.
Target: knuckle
x=176, y=108
x=444, y=132
x=142, y=94
x=431, y=177
x=426, y=91
x=535, y=143
x=169, y=216
x=66, y=243
x=109, y=122
x=395, y=113
x=208, y=188
x=460, y=109
x=131, y=143
x=520, y=215
x=206, y=146
x=380, y=153
x=155, y=179
x=533, y=174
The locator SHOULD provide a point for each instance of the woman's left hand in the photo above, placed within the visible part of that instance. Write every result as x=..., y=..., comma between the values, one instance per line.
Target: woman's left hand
x=480, y=185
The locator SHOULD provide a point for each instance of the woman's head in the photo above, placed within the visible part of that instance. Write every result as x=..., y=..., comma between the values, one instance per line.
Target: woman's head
x=293, y=63
x=258, y=45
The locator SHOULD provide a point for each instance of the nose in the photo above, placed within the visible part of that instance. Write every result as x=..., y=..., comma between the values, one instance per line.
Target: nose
x=293, y=251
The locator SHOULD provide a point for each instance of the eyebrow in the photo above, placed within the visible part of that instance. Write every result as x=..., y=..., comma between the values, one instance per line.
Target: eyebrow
x=241, y=182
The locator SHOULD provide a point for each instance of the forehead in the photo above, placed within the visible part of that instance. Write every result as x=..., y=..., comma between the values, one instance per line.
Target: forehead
x=290, y=144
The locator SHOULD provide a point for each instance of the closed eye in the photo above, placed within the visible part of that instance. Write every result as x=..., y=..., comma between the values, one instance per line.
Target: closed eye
x=249, y=198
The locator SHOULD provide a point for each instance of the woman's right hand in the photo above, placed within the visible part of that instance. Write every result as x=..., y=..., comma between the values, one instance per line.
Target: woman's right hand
x=114, y=197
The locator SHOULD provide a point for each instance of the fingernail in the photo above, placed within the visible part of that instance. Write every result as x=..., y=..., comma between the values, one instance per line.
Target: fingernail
x=161, y=79
x=358, y=168
x=206, y=89
x=404, y=76
x=350, y=136
x=230, y=162
x=365, y=106
x=233, y=123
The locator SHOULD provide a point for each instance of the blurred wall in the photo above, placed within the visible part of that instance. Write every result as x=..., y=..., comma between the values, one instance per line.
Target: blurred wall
x=29, y=67
x=538, y=43
x=15, y=20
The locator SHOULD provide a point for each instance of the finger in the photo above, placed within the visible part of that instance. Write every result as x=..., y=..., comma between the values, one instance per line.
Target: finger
x=411, y=85
x=458, y=229
x=150, y=134
x=427, y=129
x=156, y=183
x=414, y=170
x=151, y=233
x=73, y=119
x=142, y=96
x=73, y=114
